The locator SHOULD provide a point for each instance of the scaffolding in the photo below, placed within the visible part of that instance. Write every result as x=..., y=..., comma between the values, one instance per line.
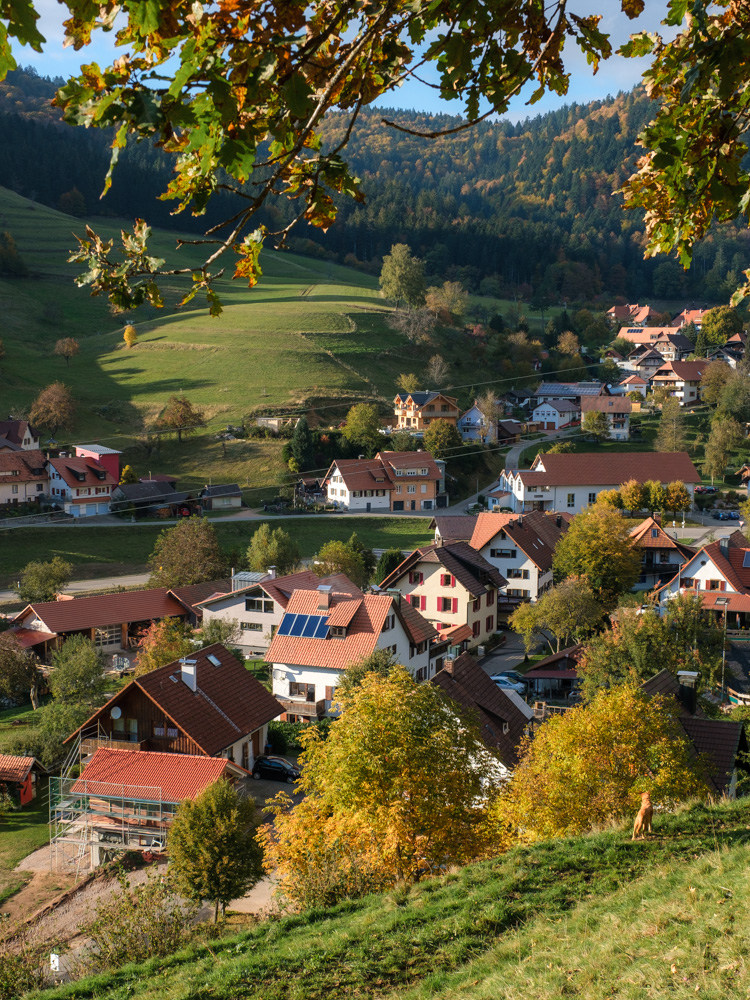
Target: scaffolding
x=92, y=822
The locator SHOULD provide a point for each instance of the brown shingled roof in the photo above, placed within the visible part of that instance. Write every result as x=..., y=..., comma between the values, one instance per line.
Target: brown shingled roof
x=454, y=528
x=611, y=469
x=469, y=567
x=535, y=533
x=104, y=609
x=22, y=467
x=719, y=741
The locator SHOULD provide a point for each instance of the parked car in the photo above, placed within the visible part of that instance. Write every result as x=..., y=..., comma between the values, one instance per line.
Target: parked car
x=734, y=515
x=505, y=682
x=720, y=515
x=706, y=489
x=514, y=675
x=276, y=768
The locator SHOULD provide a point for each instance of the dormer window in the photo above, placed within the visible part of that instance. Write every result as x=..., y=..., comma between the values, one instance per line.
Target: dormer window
x=338, y=631
x=399, y=472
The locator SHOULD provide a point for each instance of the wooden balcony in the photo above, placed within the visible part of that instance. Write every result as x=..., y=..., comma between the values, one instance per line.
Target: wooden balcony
x=92, y=744
x=307, y=709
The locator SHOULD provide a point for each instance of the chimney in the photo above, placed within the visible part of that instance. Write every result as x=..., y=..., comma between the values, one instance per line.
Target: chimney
x=324, y=597
x=520, y=520
x=687, y=692
x=724, y=547
x=558, y=520
x=189, y=673
x=271, y=571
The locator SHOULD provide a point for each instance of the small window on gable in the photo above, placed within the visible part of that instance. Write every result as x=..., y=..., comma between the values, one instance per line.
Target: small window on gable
x=654, y=532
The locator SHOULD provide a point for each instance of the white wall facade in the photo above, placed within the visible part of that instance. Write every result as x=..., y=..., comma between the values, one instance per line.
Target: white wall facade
x=546, y=414
x=257, y=625
x=705, y=577
x=572, y=499
x=424, y=595
x=338, y=493
x=525, y=579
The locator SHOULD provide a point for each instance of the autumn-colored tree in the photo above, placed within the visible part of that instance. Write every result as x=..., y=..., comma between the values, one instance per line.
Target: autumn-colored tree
x=185, y=554
x=67, y=347
x=610, y=498
x=19, y=670
x=633, y=495
x=589, y=766
x=415, y=324
x=54, y=408
x=656, y=495
x=437, y=370
x=400, y=786
x=715, y=376
x=128, y=476
x=162, y=642
x=407, y=383
x=678, y=497
x=43, y=581
x=213, y=850
x=490, y=407
x=598, y=546
x=77, y=674
x=272, y=547
x=340, y=557
x=568, y=343
x=671, y=433
x=450, y=300
x=130, y=336
x=402, y=277
x=442, y=439
x=362, y=427
x=566, y=613
x=595, y=424
x=369, y=558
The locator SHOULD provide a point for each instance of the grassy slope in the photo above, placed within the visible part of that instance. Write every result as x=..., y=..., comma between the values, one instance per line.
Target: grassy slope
x=110, y=549
x=594, y=917
x=22, y=832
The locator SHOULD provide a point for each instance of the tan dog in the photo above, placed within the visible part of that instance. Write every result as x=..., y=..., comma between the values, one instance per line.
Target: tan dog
x=642, y=824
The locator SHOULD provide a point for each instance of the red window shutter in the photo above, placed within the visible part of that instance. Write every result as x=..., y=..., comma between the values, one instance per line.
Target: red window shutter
x=453, y=581
x=329, y=693
x=455, y=605
x=440, y=604
x=421, y=577
x=723, y=584
x=423, y=604
x=439, y=626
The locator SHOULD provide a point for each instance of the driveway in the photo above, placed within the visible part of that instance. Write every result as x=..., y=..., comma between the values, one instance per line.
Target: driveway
x=505, y=657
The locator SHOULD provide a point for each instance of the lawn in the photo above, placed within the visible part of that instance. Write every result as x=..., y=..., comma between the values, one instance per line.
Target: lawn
x=110, y=550
x=21, y=832
x=591, y=917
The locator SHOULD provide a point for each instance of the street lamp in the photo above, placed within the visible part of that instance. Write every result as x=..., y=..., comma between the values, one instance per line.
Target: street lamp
x=723, y=602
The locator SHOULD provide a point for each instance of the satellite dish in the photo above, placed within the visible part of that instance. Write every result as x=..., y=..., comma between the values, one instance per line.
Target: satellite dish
x=116, y=712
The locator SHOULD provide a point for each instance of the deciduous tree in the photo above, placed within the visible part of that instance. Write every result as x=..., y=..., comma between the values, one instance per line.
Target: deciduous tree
x=713, y=380
x=162, y=642
x=719, y=324
x=490, y=407
x=213, y=850
x=725, y=437
x=54, y=408
x=442, y=439
x=656, y=495
x=368, y=556
x=567, y=613
x=185, y=554
x=596, y=424
x=610, y=498
x=128, y=475
x=272, y=547
x=401, y=785
x=181, y=416
x=415, y=324
x=77, y=674
x=633, y=495
x=598, y=546
x=19, y=671
x=389, y=560
x=671, y=434
x=43, y=581
x=678, y=497
x=67, y=347
x=589, y=766
x=340, y=557
x=54, y=724
x=130, y=336
x=568, y=343
x=362, y=427
x=407, y=383
x=437, y=370
x=448, y=301
x=402, y=277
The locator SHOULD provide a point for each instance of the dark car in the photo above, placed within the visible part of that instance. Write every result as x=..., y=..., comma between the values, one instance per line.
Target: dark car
x=720, y=515
x=276, y=768
x=734, y=515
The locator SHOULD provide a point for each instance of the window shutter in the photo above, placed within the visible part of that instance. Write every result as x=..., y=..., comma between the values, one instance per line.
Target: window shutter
x=455, y=605
x=440, y=604
x=329, y=694
x=421, y=577
x=423, y=604
x=453, y=581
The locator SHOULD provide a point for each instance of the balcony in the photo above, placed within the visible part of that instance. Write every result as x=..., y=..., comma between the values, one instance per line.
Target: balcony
x=92, y=744
x=307, y=709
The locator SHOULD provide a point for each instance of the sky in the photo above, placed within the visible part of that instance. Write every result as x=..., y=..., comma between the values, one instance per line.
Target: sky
x=614, y=75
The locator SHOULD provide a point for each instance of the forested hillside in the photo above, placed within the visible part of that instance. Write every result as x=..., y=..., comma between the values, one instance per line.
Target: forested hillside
x=525, y=209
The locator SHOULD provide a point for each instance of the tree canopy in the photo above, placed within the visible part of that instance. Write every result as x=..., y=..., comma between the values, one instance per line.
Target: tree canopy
x=342, y=557
x=43, y=581
x=362, y=427
x=181, y=416
x=77, y=675
x=402, y=277
x=54, y=408
x=442, y=439
x=567, y=613
x=185, y=554
x=162, y=642
x=272, y=547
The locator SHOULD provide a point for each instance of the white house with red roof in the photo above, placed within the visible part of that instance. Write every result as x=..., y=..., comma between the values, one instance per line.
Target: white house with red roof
x=82, y=486
x=23, y=476
x=616, y=409
x=682, y=379
x=554, y=414
x=720, y=574
x=661, y=555
x=393, y=480
x=571, y=482
x=324, y=631
x=18, y=435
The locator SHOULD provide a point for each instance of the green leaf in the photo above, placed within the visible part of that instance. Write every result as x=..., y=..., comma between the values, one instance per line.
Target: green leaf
x=297, y=94
x=144, y=15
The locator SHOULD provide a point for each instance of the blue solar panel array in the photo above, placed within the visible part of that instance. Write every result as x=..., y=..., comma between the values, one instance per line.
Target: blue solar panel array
x=307, y=626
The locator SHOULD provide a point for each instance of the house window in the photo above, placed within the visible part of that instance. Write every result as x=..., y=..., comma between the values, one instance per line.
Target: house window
x=251, y=626
x=411, y=489
x=379, y=493
x=368, y=493
x=258, y=604
x=423, y=472
x=516, y=592
x=592, y=497
x=423, y=488
x=389, y=623
x=571, y=499
x=654, y=532
x=490, y=598
x=476, y=628
x=518, y=574
x=445, y=604
x=476, y=604
x=446, y=580
x=421, y=674
x=110, y=635
x=715, y=584
x=503, y=553
x=39, y=487
x=489, y=625
x=306, y=691
x=398, y=487
x=415, y=577
x=338, y=631
x=14, y=488
x=357, y=493
x=83, y=493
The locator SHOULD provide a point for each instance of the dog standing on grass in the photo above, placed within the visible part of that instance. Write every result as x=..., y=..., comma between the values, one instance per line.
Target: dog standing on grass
x=642, y=824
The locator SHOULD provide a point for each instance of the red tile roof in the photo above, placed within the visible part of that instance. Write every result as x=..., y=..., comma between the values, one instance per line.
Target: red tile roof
x=22, y=467
x=151, y=776
x=344, y=611
x=379, y=473
x=606, y=404
x=88, y=467
x=195, y=593
x=28, y=637
x=15, y=769
x=104, y=609
x=281, y=588
x=643, y=537
x=535, y=533
x=611, y=469
x=227, y=705
x=470, y=568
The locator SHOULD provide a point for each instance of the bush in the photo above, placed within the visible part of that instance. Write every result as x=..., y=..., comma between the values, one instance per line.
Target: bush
x=288, y=734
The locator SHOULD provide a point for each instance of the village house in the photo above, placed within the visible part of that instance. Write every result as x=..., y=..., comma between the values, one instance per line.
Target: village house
x=206, y=704
x=644, y=361
x=617, y=411
x=23, y=477
x=574, y=391
x=18, y=778
x=324, y=631
x=415, y=411
x=220, y=497
x=667, y=340
x=572, y=482
x=453, y=527
x=521, y=547
x=694, y=316
x=393, y=480
x=720, y=574
x=517, y=399
x=109, y=458
x=502, y=716
x=112, y=621
x=661, y=554
x=554, y=414
x=451, y=585
x=631, y=383
x=555, y=677
x=682, y=379
x=473, y=426
x=18, y=435
x=259, y=604
x=126, y=800
x=152, y=499
x=81, y=486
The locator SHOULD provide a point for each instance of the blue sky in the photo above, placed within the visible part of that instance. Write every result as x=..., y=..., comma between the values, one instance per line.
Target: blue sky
x=614, y=75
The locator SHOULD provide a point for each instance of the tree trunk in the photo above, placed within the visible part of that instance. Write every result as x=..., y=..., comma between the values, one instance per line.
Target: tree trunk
x=34, y=694
x=216, y=912
x=179, y=438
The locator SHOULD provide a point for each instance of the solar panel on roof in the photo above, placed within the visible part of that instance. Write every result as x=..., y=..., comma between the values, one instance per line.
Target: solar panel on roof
x=746, y=560
x=310, y=625
x=321, y=630
x=299, y=623
x=286, y=623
